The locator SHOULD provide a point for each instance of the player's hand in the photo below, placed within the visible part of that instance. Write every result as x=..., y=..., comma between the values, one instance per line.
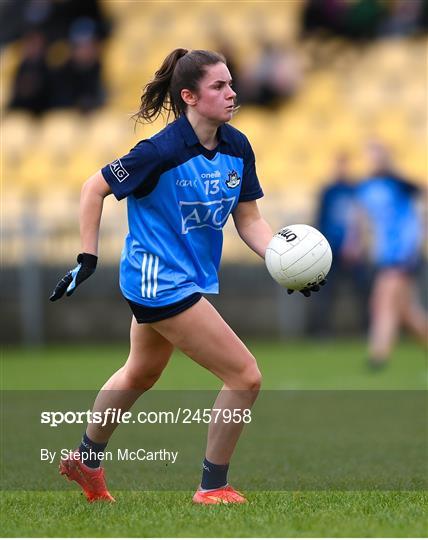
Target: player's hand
x=307, y=290
x=87, y=264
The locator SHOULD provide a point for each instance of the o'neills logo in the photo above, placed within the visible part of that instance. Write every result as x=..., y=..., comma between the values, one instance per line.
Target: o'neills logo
x=215, y=174
x=289, y=235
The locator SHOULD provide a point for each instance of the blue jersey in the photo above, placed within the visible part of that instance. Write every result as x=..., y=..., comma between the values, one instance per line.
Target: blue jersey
x=397, y=229
x=336, y=212
x=179, y=197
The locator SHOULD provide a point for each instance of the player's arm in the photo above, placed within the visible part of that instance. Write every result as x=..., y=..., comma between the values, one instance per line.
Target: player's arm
x=94, y=191
x=252, y=227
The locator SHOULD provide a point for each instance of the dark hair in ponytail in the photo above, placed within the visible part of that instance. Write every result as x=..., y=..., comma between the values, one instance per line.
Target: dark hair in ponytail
x=180, y=69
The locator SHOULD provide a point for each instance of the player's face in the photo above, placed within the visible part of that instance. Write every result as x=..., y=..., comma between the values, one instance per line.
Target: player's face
x=215, y=97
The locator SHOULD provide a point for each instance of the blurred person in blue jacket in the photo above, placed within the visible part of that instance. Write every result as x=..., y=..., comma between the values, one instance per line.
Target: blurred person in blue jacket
x=389, y=206
x=336, y=211
x=335, y=218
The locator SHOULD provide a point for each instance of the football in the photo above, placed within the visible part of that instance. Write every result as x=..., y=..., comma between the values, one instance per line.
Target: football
x=298, y=256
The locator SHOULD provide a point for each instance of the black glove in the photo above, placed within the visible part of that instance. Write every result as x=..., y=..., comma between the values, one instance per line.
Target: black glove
x=307, y=290
x=73, y=278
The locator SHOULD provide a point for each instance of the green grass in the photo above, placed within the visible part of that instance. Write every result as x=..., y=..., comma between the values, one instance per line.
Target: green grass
x=293, y=365
x=289, y=365
x=149, y=514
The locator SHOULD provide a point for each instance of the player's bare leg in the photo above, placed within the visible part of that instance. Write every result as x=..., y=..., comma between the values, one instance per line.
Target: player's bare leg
x=204, y=336
x=149, y=354
x=384, y=315
x=148, y=357
x=414, y=317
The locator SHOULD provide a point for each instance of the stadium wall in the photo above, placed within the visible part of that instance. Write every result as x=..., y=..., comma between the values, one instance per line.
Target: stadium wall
x=249, y=301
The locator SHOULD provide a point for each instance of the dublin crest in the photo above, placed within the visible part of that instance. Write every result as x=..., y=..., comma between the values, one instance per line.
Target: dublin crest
x=233, y=179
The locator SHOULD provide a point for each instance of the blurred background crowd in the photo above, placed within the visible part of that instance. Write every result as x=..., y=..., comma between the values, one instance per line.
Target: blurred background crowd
x=59, y=63
x=333, y=100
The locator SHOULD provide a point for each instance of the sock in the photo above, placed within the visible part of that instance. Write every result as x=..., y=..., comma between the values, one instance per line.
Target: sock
x=377, y=363
x=88, y=451
x=213, y=476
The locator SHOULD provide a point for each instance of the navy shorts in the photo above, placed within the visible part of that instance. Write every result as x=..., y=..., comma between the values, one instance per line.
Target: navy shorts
x=145, y=314
x=410, y=268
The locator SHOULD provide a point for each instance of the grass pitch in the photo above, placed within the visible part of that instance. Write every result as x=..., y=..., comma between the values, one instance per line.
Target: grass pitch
x=150, y=514
x=297, y=365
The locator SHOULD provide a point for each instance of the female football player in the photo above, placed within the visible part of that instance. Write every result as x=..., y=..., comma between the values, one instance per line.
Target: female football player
x=181, y=186
x=390, y=207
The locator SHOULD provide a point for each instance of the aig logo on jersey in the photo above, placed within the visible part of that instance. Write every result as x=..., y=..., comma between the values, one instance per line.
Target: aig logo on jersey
x=198, y=214
x=233, y=179
x=119, y=170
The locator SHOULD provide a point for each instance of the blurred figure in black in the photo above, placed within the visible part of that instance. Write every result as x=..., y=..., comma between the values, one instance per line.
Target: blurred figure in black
x=30, y=90
x=75, y=70
x=324, y=15
x=64, y=14
x=85, y=67
x=365, y=19
x=355, y=19
x=61, y=59
x=52, y=17
x=336, y=220
x=273, y=79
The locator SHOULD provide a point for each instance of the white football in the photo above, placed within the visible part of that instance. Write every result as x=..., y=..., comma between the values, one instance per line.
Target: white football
x=298, y=256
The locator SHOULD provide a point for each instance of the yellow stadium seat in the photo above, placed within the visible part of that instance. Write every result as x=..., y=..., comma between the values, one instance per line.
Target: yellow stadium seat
x=391, y=56
x=109, y=134
x=59, y=132
x=18, y=132
x=84, y=163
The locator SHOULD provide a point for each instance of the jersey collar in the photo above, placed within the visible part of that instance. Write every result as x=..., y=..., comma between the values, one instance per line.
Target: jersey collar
x=222, y=134
x=187, y=131
x=190, y=137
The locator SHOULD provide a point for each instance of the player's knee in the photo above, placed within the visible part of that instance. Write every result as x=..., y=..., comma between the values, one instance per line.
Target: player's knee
x=141, y=379
x=251, y=378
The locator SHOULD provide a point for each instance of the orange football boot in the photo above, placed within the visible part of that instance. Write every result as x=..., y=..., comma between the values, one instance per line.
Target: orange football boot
x=91, y=480
x=225, y=495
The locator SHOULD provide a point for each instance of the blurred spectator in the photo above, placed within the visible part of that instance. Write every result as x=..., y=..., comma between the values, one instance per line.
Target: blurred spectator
x=64, y=14
x=85, y=67
x=404, y=18
x=52, y=17
x=389, y=204
x=75, y=73
x=15, y=24
x=30, y=89
x=336, y=209
x=274, y=78
x=336, y=220
x=423, y=21
x=224, y=47
x=62, y=74
x=364, y=19
x=324, y=15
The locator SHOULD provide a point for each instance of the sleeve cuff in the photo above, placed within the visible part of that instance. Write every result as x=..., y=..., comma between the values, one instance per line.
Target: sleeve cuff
x=112, y=182
x=246, y=197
